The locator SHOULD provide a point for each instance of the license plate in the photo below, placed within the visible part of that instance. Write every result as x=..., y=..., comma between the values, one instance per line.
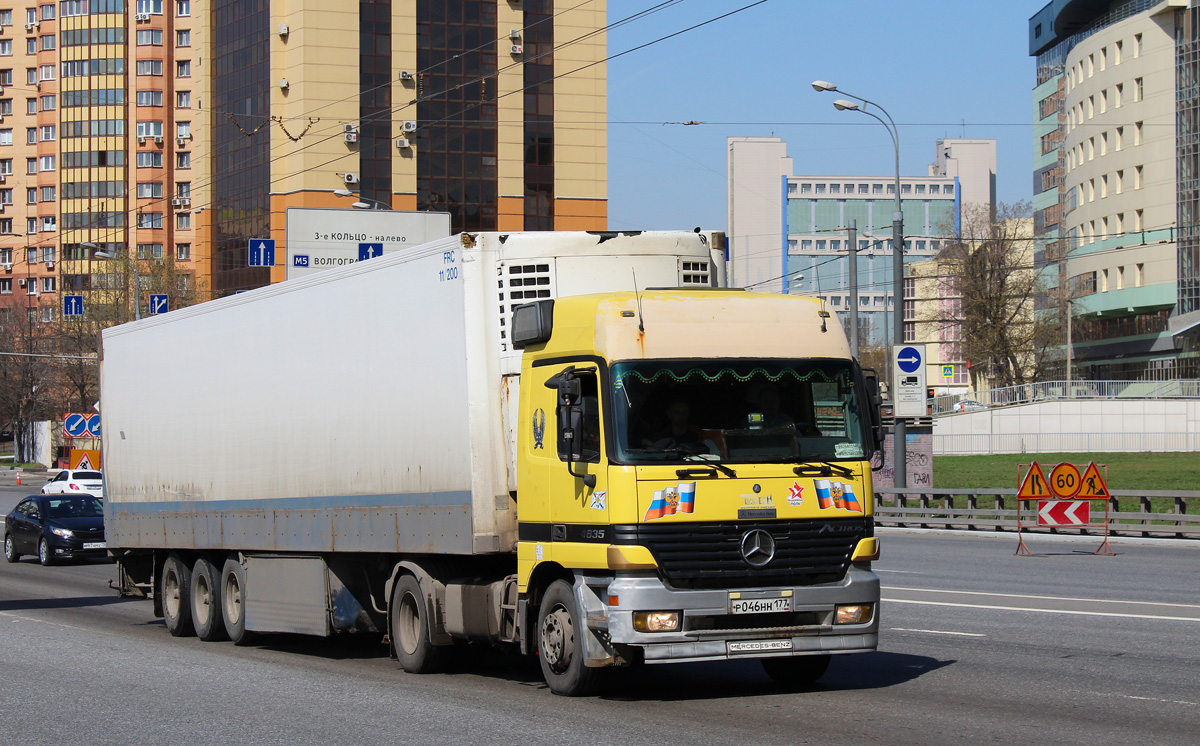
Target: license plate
x=94, y=545
x=758, y=646
x=759, y=605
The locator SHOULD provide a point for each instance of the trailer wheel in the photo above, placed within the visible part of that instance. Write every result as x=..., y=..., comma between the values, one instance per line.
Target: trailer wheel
x=175, y=587
x=798, y=671
x=233, y=601
x=206, y=601
x=560, y=646
x=409, y=628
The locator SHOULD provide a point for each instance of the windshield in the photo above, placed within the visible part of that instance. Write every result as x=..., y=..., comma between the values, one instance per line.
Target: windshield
x=743, y=411
x=75, y=506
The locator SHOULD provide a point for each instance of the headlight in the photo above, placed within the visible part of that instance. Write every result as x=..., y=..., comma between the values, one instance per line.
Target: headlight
x=656, y=621
x=853, y=614
x=66, y=533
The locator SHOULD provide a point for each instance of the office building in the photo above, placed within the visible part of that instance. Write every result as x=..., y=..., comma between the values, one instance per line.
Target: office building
x=789, y=233
x=1115, y=190
x=174, y=131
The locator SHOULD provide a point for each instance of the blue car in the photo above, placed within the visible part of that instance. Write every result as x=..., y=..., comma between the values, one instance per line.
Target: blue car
x=55, y=528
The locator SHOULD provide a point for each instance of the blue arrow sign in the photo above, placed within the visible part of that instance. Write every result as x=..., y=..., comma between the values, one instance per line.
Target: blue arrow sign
x=158, y=303
x=72, y=305
x=369, y=251
x=75, y=425
x=262, y=252
x=93, y=425
x=300, y=260
x=909, y=359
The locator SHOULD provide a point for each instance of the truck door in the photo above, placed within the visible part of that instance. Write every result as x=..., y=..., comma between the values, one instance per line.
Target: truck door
x=569, y=498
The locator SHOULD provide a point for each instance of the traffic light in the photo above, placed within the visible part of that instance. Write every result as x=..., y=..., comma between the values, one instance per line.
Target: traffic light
x=929, y=394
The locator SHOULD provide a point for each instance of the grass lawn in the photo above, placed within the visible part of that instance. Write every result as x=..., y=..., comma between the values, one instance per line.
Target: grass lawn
x=1126, y=471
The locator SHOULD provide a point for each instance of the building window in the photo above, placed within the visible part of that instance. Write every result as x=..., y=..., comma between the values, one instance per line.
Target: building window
x=806, y=245
x=149, y=251
x=183, y=160
x=49, y=103
x=149, y=189
x=183, y=38
x=183, y=251
x=48, y=42
x=183, y=129
x=48, y=193
x=31, y=196
x=49, y=223
x=1119, y=140
x=154, y=7
x=1137, y=177
x=149, y=67
x=47, y=133
x=791, y=187
x=48, y=314
x=1137, y=133
x=149, y=98
x=183, y=189
x=149, y=129
x=1137, y=89
x=183, y=99
x=149, y=37
x=149, y=220
x=49, y=284
x=183, y=7
x=1137, y=45
x=183, y=221
x=862, y=188
x=5, y=47
x=949, y=190
x=820, y=245
x=1117, y=53
x=806, y=188
x=46, y=163
x=877, y=189
x=150, y=159
x=183, y=69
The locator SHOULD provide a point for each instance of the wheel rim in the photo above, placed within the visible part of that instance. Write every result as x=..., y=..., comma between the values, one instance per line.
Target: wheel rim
x=171, y=593
x=233, y=599
x=558, y=635
x=408, y=624
x=202, y=598
x=43, y=551
x=8, y=547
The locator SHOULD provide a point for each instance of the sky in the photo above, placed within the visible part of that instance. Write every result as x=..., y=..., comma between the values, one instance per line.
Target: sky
x=940, y=68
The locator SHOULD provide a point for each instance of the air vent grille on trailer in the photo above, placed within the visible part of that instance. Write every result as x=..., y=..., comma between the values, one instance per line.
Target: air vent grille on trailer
x=521, y=283
x=693, y=273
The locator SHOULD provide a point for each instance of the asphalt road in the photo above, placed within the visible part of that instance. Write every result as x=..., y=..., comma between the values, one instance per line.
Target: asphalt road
x=978, y=646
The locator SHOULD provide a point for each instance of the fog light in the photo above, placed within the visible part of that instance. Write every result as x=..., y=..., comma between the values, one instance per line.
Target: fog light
x=853, y=614
x=656, y=621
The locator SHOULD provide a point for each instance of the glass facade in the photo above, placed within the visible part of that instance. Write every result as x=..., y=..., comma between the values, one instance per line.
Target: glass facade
x=1187, y=155
x=375, y=100
x=456, y=111
x=241, y=164
x=539, y=115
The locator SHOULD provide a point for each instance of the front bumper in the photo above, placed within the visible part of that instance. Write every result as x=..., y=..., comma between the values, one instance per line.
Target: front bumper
x=707, y=628
x=74, y=549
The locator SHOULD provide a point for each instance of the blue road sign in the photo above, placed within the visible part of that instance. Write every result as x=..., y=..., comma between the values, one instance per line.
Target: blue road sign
x=93, y=425
x=369, y=251
x=158, y=303
x=76, y=425
x=909, y=359
x=262, y=252
x=72, y=305
x=300, y=260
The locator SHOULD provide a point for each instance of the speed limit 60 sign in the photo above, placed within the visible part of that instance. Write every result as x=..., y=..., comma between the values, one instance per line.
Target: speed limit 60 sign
x=1065, y=481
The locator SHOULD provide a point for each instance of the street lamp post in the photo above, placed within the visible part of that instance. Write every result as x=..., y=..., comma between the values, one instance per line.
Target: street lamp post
x=137, y=278
x=901, y=478
x=365, y=203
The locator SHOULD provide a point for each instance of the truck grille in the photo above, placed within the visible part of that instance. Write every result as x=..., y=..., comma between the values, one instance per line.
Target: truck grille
x=708, y=555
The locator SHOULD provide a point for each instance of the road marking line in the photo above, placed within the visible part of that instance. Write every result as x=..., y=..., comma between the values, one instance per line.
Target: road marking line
x=937, y=632
x=18, y=617
x=1044, y=598
x=1156, y=699
x=900, y=572
x=1043, y=611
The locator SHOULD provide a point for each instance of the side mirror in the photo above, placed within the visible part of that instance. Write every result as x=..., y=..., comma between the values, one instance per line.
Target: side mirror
x=570, y=414
x=875, y=400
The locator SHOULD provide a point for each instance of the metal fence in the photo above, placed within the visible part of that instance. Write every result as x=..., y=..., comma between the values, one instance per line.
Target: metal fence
x=1060, y=390
x=1131, y=513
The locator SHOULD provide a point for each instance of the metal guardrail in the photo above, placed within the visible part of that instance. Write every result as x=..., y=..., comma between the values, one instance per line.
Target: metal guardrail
x=1060, y=390
x=1093, y=442
x=996, y=510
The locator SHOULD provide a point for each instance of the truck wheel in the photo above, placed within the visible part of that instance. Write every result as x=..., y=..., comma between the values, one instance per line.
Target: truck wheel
x=233, y=601
x=798, y=671
x=560, y=645
x=10, y=549
x=176, y=586
x=409, y=628
x=206, y=601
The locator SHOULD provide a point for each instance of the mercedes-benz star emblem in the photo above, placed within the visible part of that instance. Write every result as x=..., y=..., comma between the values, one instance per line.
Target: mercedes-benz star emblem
x=758, y=547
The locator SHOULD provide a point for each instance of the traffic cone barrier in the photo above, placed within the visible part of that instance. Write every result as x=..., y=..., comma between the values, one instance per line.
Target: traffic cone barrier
x=18, y=477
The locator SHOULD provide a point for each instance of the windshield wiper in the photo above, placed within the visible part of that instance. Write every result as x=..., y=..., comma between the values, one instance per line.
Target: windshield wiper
x=823, y=469
x=709, y=469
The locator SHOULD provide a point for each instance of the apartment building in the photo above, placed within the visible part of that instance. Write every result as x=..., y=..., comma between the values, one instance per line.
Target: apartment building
x=164, y=135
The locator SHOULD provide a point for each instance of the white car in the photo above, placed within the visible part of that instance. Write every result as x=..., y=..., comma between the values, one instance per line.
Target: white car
x=75, y=482
x=968, y=405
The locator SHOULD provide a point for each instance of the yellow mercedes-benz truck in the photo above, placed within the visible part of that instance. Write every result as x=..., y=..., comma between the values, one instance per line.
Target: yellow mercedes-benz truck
x=575, y=444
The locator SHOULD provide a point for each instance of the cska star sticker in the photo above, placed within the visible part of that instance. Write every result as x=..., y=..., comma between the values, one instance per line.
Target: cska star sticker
x=795, y=495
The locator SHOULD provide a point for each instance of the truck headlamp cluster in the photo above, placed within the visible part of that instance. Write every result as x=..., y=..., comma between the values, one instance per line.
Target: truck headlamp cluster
x=656, y=621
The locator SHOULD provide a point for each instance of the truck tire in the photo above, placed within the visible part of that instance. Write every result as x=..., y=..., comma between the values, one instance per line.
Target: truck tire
x=10, y=549
x=176, y=589
x=206, y=601
x=560, y=645
x=409, y=628
x=233, y=601
x=798, y=671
